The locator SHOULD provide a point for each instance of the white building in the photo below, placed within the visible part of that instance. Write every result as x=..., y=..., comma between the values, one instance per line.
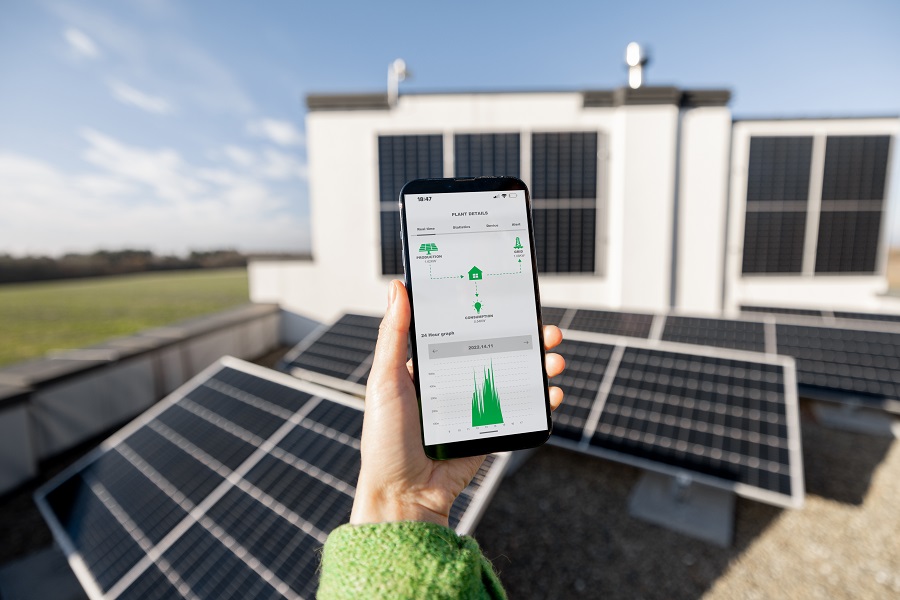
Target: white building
x=648, y=199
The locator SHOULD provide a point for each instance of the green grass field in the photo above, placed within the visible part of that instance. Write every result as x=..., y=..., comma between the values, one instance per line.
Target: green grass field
x=38, y=317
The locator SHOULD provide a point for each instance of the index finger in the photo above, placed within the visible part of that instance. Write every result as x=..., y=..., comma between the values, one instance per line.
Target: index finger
x=552, y=337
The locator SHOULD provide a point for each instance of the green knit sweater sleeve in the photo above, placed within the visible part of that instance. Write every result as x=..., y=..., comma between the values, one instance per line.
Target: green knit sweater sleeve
x=404, y=560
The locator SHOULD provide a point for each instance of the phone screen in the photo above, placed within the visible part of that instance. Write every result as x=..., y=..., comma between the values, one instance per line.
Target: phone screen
x=480, y=366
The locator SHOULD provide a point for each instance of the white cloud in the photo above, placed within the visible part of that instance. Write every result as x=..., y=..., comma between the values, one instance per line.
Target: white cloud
x=239, y=156
x=282, y=133
x=281, y=166
x=175, y=65
x=140, y=197
x=126, y=94
x=81, y=43
x=270, y=164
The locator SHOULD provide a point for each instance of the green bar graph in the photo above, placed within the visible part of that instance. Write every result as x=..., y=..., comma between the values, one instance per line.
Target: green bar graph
x=486, y=401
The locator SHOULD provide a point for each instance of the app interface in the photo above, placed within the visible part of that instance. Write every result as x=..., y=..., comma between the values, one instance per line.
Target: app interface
x=475, y=315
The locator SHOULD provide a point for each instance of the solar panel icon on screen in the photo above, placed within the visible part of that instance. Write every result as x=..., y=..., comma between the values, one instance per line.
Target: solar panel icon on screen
x=225, y=489
x=337, y=355
x=725, y=418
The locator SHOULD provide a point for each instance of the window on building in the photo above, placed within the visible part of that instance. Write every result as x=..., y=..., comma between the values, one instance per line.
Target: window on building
x=564, y=193
x=852, y=203
x=480, y=154
x=777, y=198
x=400, y=159
x=788, y=231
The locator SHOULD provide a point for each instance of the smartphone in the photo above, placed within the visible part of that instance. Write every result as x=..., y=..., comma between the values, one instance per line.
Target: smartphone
x=476, y=336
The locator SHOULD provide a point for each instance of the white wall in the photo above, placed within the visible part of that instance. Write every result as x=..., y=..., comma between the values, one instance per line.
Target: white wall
x=345, y=273
x=806, y=289
x=646, y=144
x=703, y=189
x=635, y=216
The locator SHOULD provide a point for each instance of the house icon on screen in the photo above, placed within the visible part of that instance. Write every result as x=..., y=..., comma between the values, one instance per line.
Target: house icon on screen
x=475, y=273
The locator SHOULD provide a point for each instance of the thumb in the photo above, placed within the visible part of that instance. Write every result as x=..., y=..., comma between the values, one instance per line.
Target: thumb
x=393, y=334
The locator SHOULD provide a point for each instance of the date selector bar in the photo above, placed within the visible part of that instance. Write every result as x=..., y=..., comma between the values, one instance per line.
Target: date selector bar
x=472, y=347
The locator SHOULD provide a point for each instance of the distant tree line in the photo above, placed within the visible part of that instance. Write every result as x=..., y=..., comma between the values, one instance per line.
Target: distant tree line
x=104, y=262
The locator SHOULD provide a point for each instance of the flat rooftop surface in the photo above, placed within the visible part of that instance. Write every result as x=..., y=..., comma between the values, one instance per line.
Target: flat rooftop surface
x=559, y=527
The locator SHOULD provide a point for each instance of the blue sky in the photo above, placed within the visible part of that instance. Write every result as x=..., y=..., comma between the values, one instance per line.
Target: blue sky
x=178, y=126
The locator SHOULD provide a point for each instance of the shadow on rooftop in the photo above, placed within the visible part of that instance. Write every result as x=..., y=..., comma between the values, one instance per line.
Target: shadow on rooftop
x=839, y=465
x=564, y=517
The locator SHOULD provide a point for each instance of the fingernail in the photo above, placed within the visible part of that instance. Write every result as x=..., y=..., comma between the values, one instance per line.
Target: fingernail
x=392, y=291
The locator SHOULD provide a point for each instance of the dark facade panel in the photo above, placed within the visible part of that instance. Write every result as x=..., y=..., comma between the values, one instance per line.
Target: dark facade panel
x=405, y=157
x=402, y=158
x=564, y=240
x=486, y=154
x=779, y=168
x=855, y=167
x=848, y=241
x=564, y=165
x=773, y=242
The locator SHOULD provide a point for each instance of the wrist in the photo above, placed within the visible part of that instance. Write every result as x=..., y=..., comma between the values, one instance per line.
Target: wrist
x=375, y=506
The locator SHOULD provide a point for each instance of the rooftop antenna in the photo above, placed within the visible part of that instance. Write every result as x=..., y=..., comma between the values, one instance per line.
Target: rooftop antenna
x=397, y=72
x=635, y=58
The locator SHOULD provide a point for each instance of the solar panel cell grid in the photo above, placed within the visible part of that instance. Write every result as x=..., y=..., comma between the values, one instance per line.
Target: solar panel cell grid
x=867, y=316
x=256, y=535
x=855, y=167
x=486, y=154
x=722, y=417
x=773, y=242
x=860, y=362
x=551, y=315
x=221, y=445
x=613, y=323
x=151, y=585
x=143, y=501
x=564, y=239
x=721, y=333
x=212, y=570
x=342, y=350
x=585, y=367
x=848, y=241
x=402, y=158
x=106, y=548
x=779, y=168
x=316, y=449
x=272, y=539
x=191, y=477
x=248, y=417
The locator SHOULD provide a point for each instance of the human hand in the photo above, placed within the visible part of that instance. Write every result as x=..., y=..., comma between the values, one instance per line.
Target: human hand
x=397, y=482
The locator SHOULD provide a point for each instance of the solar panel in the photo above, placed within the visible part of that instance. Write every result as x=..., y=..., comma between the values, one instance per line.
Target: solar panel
x=720, y=333
x=225, y=489
x=840, y=356
x=887, y=318
x=338, y=355
x=826, y=315
x=402, y=158
x=586, y=363
x=613, y=322
x=552, y=315
x=564, y=175
x=864, y=366
x=486, y=154
x=781, y=310
x=777, y=195
x=728, y=418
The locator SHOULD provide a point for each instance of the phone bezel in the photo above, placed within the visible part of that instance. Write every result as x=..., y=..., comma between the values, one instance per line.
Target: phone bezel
x=503, y=443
